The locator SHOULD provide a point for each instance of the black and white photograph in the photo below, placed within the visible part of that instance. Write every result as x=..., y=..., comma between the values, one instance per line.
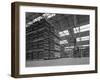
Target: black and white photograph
x=52, y=39
x=57, y=39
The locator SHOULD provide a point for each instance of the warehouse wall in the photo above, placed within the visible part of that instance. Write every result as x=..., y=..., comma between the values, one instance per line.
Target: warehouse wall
x=5, y=40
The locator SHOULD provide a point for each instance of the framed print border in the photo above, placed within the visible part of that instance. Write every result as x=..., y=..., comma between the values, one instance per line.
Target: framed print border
x=15, y=39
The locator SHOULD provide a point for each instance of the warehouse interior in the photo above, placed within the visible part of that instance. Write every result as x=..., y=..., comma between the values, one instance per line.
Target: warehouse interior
x=51, y=36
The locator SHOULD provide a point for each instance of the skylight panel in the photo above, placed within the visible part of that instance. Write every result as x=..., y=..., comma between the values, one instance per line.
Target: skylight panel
x=46, y=15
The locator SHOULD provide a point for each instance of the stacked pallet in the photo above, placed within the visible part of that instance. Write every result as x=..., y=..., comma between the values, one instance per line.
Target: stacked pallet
x=42, y=42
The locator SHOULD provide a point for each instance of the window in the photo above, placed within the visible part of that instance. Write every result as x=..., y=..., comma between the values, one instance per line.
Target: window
x=84, y=45
x=63, y=42
x=82, y=38
x=69, y=47
x=81, y=28
x=80, y=46
x=63, y=33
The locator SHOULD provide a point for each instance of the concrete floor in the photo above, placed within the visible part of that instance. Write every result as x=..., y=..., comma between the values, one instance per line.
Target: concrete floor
x=58, y=62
